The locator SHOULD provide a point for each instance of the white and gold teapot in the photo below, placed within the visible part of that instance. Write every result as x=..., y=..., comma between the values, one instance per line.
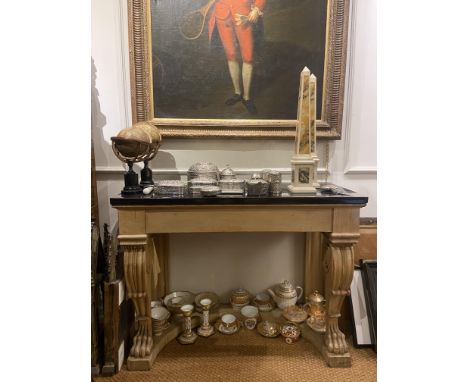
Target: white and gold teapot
x=285, y=294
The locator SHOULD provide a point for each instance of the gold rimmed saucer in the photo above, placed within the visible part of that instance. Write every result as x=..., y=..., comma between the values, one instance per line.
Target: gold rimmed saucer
x=231, y=330
x=269, y=329
x=294, y=314
x=316, y=326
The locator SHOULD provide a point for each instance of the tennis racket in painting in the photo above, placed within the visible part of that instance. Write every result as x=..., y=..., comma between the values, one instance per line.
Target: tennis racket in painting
x=192, y=24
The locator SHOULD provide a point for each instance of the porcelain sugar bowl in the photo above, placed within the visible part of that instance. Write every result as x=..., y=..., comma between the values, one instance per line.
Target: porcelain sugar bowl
x=239, y=298
x=285, y=294
x=291, y=332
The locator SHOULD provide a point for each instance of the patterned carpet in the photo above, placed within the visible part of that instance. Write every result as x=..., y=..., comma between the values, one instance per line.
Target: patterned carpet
x=247, y=356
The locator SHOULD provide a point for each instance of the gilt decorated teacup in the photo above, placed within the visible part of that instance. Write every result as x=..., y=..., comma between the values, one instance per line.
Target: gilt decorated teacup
x=249, y=316
x=228, y=320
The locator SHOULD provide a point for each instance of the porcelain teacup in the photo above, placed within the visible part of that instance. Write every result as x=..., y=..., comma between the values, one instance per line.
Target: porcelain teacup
x=228, y=320
x=249, y=316
x=263, y=298
x=159, y=313
x=263, y=302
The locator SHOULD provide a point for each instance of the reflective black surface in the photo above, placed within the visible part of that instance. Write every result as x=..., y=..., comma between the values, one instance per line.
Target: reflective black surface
x=344, y=196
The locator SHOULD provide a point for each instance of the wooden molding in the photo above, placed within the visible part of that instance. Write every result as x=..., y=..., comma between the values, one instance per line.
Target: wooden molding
x=360, y=170
x=183, y=171
x=125, y=240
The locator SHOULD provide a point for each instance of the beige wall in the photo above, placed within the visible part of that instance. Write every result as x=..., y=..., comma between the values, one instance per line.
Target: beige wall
x=221, y=262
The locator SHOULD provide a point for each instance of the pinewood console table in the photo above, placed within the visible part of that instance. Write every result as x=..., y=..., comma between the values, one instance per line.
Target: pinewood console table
x=330, y=223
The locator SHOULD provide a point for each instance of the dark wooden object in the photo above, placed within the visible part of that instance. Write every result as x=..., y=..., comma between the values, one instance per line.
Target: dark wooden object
x=94, y=196
x=111, y=327
x=95, y=367
x=118, y=321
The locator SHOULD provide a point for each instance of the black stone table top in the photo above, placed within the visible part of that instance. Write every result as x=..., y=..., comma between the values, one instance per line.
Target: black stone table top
x=345, y=197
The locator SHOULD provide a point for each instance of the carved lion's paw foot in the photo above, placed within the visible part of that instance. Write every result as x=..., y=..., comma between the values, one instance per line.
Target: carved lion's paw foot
x=135, y=350
x=146, y=343
x=142, y=343
x=335, y=340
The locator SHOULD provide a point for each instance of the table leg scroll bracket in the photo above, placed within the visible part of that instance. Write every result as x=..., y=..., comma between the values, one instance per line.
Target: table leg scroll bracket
x=338, y=267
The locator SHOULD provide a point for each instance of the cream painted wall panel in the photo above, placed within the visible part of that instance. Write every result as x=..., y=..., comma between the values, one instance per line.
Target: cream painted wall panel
x=110, y=89
x=353, y=159
x=222, y=262
x=361, y=105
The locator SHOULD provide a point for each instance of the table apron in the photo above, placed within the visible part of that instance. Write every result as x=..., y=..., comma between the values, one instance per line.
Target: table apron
x=239, y=219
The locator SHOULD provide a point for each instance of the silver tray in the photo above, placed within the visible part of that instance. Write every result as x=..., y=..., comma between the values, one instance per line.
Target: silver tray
x=230, y=192
x=210, y=190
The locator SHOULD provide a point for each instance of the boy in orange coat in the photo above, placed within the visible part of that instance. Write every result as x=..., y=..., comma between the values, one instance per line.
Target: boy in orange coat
x=234, y=19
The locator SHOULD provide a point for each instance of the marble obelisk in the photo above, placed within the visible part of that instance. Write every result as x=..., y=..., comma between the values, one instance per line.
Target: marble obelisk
x=304, y=161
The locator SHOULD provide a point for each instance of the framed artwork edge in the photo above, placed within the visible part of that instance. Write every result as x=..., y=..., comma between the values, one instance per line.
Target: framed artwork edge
x=141, y=84
x=354, y=323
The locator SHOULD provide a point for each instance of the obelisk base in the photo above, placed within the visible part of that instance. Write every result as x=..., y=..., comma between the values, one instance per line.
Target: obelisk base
x=304, y=174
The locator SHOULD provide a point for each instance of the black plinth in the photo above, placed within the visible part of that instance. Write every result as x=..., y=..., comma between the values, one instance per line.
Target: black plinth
x=131, y=183
x=146, y=176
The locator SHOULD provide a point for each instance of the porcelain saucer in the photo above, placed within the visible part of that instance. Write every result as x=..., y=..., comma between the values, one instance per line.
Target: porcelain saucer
x=269, y=329
x=222, y=329
x=315, y=326
x=294, y=314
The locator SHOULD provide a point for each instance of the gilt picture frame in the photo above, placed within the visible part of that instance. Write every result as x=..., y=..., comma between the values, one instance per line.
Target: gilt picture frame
x=143, y=77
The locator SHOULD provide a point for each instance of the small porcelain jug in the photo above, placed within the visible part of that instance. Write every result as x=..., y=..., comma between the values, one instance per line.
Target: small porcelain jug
x=285, y=294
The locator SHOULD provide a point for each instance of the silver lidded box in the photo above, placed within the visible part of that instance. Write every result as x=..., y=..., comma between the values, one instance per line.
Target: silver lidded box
x=232, y=186
x=173, y=188
x=274, y=179
x=195, y=185
x=229, y=184
x=257, y=186
x=227, y=173
x=203, y=170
